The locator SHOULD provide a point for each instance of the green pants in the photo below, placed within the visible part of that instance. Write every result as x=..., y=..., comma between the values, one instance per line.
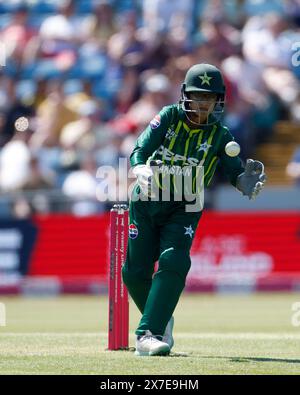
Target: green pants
x=161, y=231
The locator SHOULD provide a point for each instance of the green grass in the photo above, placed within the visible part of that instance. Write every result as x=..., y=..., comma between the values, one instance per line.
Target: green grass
x=214, y=334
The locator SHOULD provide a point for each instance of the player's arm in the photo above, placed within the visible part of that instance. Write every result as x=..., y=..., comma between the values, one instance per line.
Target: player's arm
x=148, y=142
x=151, y=138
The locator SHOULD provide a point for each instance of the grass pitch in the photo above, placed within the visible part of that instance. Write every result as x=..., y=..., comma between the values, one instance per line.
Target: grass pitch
x=214, y=334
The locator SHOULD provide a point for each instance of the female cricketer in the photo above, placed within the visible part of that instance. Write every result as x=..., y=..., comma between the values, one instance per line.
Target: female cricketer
x=189, y=133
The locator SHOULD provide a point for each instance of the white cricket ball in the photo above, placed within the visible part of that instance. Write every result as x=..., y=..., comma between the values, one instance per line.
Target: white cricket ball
x=21, y=124
x=232, y=148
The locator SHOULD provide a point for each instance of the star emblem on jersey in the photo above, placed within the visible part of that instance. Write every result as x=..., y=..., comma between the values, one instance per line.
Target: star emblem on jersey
x=204, y=147
x=205, y=79
x=189, y=231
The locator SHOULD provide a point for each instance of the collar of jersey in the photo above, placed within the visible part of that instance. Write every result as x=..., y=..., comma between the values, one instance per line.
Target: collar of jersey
x=188, y=129
x=192, y=130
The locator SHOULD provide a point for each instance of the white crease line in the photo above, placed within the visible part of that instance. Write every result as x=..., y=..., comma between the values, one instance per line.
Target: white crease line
x=241, y=336
x=181, y=335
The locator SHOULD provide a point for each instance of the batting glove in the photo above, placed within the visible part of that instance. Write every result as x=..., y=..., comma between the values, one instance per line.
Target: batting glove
x=144, y=175
x=251, y=182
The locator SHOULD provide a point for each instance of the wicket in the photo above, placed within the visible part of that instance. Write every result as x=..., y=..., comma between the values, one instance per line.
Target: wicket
x=118, y=331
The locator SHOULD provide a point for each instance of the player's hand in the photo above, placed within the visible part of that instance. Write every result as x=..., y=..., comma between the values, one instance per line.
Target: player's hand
x=144, y=175
x=252, y=180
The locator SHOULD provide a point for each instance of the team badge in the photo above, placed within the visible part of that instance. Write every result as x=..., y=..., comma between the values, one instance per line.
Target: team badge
x=205, y=79
x=133, y=231
x=155, y=122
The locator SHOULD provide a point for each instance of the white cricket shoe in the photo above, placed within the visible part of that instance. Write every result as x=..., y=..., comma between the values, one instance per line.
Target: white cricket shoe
x=148, y=345
x=168, y=335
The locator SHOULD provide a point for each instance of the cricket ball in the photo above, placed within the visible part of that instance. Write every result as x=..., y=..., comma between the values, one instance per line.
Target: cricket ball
x=232, y=148
x=21, y=124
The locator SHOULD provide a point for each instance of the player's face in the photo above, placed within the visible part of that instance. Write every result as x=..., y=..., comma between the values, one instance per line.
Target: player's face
x=206, y=100
x=201, y=104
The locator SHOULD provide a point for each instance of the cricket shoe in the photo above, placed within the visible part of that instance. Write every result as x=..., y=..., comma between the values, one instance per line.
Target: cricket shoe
x=150, y=345
x=168, y=335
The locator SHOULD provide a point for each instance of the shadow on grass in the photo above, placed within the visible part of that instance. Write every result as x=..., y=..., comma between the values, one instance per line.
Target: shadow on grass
x=178, y=354
x=232, y=359
x=172, y=354
x=255, y=359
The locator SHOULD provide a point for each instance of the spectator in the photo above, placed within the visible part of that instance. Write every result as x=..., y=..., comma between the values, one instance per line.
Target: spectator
x=54, y=50
x=268, y=48
x=16, y=107
x=15, y=162
x=223, y=38
x=128, y=92
x=163, y=15
x=101, y=25
x=155, y=95
x=36, y=179
x=17, y=35
x=82, y=133
x=126, y=47
x=53, y=113
x=81, y=186
x=264, y=44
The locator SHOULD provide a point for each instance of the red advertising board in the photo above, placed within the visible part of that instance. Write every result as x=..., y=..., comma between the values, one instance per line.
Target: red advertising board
x=227, y=247
x=247, y=243
x=71, y=246
x=246, y=246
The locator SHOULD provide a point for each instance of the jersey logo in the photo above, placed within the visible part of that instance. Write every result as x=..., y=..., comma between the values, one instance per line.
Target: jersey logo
x=204, y=147
x=155, y=122
x=133, y=231
x=168, y=155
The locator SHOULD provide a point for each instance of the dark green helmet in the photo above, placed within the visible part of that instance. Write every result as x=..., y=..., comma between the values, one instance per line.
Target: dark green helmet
x=204, y=78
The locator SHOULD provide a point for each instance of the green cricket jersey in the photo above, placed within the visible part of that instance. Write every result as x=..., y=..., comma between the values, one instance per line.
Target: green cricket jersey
x=169, y=138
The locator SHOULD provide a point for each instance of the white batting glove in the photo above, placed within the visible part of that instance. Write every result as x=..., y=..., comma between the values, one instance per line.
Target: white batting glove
x=144, y=175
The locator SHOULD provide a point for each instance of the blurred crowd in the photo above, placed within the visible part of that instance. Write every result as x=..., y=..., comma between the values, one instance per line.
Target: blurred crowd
x=80, y=79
